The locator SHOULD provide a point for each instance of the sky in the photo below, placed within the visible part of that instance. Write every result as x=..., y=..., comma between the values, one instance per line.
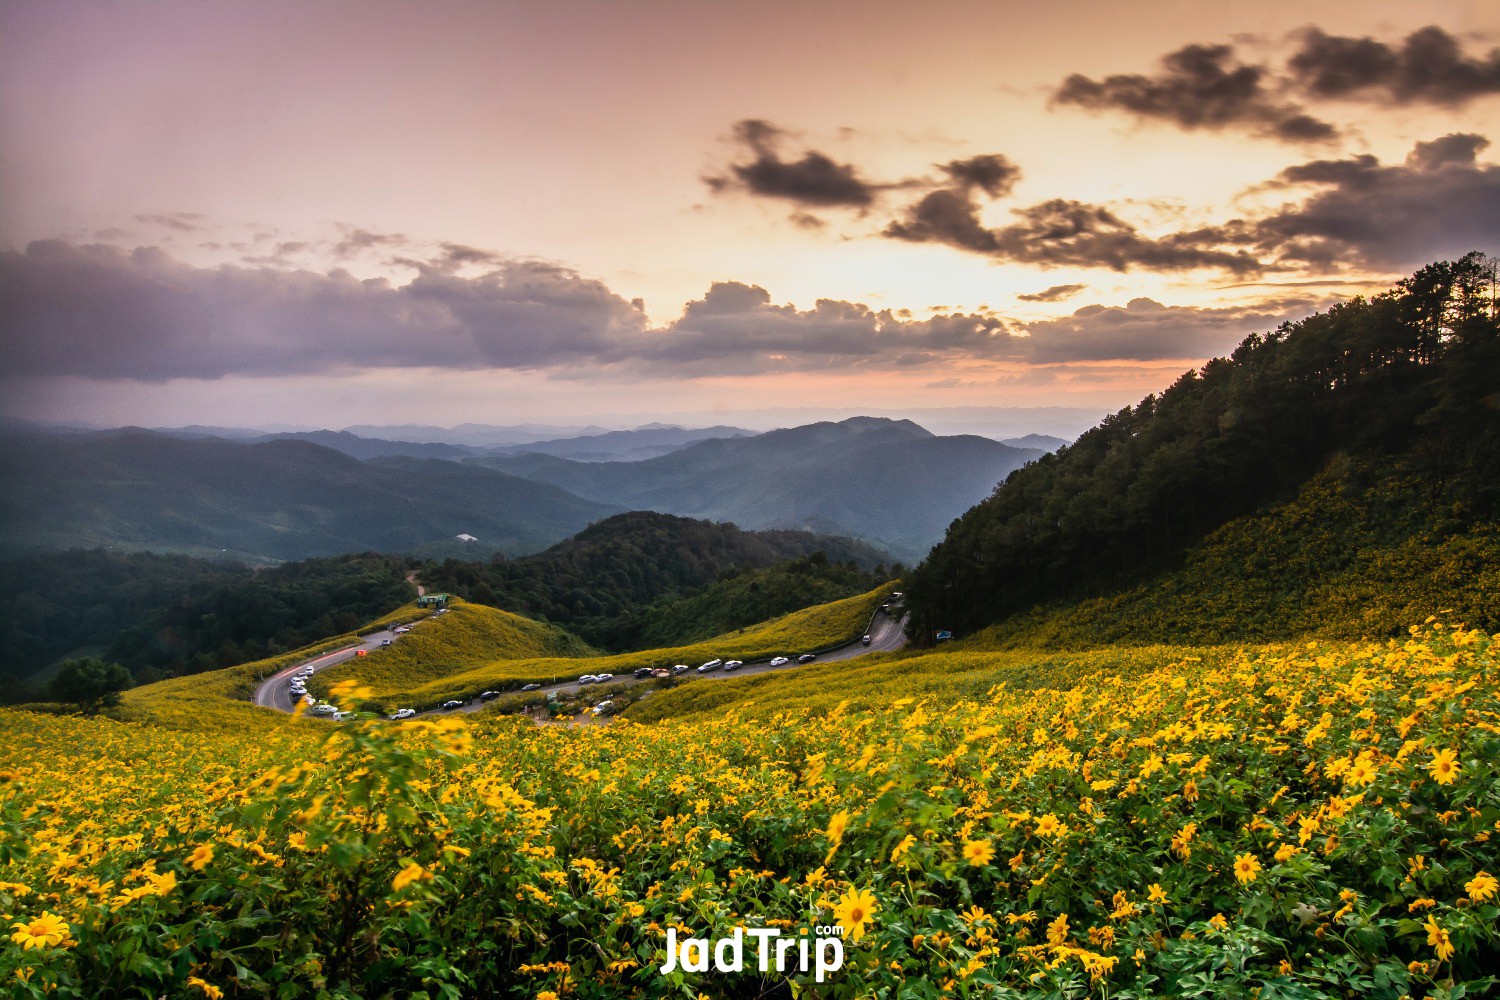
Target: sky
x=328, y=213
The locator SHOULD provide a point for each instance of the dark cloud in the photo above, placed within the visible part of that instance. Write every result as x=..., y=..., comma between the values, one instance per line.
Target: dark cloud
x=814, y=180
x=356, y=241
x=736, y=329
x=1199, y=87
x=1440, y=203
x=1054, y=294
x=1065, y=232
x=104, y=312
x=1145, y=330
x=1429, y=67
x=991, y=173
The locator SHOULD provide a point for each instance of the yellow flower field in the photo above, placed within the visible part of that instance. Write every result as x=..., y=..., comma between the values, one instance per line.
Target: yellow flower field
x=1298, y=820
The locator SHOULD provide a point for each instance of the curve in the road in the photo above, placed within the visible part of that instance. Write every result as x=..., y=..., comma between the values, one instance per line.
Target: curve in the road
x=886, y=634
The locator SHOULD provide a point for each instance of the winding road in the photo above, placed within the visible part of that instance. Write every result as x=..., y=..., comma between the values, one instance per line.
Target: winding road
x=886, y=634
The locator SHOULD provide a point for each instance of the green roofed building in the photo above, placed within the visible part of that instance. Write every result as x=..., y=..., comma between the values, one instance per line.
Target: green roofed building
x=432, y=601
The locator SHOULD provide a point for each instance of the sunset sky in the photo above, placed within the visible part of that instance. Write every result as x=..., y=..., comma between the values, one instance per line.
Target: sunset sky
x=329, y=213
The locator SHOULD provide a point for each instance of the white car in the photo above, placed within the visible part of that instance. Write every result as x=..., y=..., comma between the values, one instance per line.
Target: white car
x=710, y=666
x=324, y=709
x=780, y=661
x=606, y=704
x=342, y=716
x=309, y=699
x=587, y=679
x=733, y=664
x=681, y=668
x=403, y=629
x=604, y=677
x=404, y=713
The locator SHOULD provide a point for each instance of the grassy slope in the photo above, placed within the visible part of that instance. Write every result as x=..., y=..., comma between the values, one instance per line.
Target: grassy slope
x=468, y=636
x=811, y=628
x=958, y=673
x=1341, y=560
x=220, y=699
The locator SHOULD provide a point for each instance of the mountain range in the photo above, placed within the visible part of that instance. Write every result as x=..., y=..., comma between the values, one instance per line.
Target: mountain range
x=262, y=502
x=888, y=482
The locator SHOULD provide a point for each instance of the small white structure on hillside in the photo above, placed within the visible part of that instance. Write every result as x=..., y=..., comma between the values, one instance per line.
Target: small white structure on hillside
x=467, y=538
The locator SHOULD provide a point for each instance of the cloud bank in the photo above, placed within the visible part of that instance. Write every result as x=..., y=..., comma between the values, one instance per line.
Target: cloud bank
x=105, y=312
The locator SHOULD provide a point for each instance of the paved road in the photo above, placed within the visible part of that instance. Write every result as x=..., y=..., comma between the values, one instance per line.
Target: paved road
x=276, y=690
x=886, y=634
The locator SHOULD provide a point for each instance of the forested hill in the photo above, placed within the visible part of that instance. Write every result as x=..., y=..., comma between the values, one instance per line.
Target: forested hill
x=1406, y=384
x=597, y=581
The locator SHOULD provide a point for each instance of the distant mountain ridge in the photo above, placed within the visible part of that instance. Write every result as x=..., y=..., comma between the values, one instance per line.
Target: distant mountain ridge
x=889, y=482
x=273, y=500
x=624, y=446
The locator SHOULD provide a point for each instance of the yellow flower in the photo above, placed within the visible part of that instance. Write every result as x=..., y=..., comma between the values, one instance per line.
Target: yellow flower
x=208, y=989
x=901, y=850
x=837, y=825
x=1218, y=922
x=44, y=932
x=1438, y=938
x=1057, y=931
x=413, y=872
x=546, y=995
x=1245, y=867
x=1481, y=887
x=200, y=857
x=855, y=909
x=1157, y=893
x=1444, y=767
x=1047, y=826
x=978, y=852
x=1286, y=852
x=1361, y=772
x=835, y=833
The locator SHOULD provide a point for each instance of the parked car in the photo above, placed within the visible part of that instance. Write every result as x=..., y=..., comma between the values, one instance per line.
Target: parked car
x=780, y=661
x=604, y=677
x=342, y=716
x=404, y=713
x=733, y=664
x=681, y=668
x=587, y=679
x=807, y=657
x=385, y=642
x=453, y=703
x=704, y=668
x=399, y=629
x=309, y=699
x=528, y=687
x=642, y=672
x=490, y=695
x=361, y=652
x=324, y=709
x=865, y=639
x=659, y=673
